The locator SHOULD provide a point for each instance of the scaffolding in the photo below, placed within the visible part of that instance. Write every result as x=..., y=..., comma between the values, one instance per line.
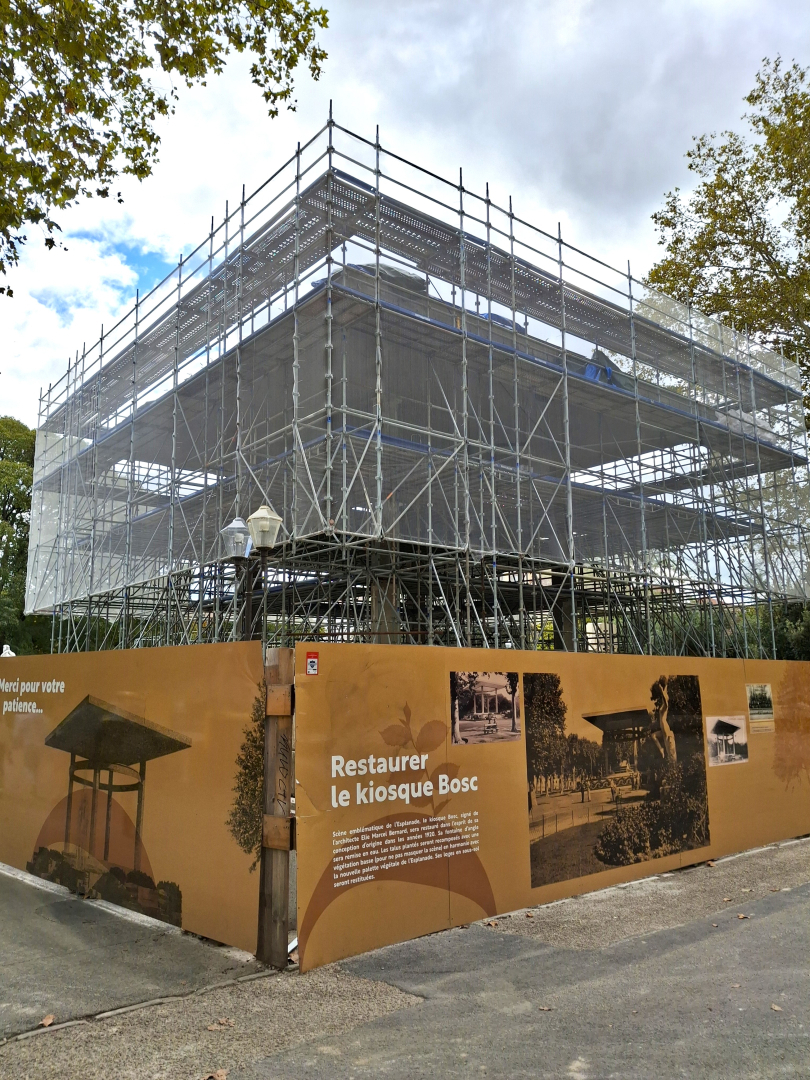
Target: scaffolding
x=475, y=435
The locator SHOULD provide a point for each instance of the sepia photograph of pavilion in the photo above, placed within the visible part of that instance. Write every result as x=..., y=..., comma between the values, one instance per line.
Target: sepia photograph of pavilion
x=466, y=431
x=634, y=790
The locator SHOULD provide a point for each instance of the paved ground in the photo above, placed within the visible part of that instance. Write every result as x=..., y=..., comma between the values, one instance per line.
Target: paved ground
x=71, y=957
x=632, y=982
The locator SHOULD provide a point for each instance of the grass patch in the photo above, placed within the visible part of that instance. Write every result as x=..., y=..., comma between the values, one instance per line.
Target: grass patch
x=565, y=855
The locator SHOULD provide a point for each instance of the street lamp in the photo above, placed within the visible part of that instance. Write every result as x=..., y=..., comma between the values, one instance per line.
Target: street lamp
x=236, y=541
x=236, y=544
x=264, y=527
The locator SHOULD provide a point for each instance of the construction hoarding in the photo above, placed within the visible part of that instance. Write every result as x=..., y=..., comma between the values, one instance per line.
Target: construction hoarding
x=434, y=786
x=438, y=786
x=128, y=776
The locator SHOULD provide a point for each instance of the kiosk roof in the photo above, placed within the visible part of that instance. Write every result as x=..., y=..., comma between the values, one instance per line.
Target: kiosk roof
x=105, y=734
x=611, y=723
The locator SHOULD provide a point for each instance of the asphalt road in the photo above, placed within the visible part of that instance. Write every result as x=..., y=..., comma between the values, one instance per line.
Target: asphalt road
x=71, y=958
x=631, y=982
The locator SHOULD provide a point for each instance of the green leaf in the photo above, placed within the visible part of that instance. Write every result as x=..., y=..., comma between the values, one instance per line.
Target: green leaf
x=81, y=94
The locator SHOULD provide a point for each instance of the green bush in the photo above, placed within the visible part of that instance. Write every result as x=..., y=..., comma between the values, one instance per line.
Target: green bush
x=625, y=838
x=677, y=821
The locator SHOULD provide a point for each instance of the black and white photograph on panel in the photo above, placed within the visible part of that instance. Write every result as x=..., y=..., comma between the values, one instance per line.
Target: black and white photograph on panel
x=613, y=778
x=727, y=737
x=485, y=706
x=760, y=707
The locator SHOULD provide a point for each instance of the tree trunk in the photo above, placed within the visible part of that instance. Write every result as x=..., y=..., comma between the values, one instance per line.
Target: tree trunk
x=455, y=734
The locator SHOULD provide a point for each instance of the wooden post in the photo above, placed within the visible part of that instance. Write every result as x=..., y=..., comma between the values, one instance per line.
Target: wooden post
x=278, y=831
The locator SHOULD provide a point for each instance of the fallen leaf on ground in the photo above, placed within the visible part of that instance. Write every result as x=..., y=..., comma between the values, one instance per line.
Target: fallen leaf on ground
x=220, y=1074
x=735, y=986
x=529, y=915
x=775, y=890
x=742, y=916
x=726, y=899
x=46, y=1021
x=714, y=924
x=544, y=1008
x=776, y=1008
x=492, y=923
x=747, y=890
x=710, y=863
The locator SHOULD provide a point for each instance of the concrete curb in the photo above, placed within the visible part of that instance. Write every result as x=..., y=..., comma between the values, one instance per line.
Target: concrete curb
x=39, y=1030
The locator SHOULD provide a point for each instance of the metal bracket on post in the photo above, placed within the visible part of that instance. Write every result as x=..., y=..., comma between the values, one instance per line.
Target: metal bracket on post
x=278, y=831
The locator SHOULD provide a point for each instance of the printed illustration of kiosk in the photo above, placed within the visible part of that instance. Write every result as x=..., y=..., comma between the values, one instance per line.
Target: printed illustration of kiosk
x=103, y=739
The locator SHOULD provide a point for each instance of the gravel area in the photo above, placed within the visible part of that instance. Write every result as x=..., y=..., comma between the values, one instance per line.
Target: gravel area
x=595, y=920
x=174, y=1041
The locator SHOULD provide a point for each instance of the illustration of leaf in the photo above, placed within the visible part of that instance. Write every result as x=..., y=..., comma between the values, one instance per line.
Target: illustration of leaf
x=407, y=720
x=431, y=735
x=396, y=735
x=441, y=806
x=423, y=800
x=448, y=768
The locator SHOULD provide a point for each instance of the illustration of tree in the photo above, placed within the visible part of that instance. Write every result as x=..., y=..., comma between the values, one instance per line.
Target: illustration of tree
x=791, y=751
x=246, y=816
x=583, y=756
x=685, y=716
x=513, y=684
x=545, y=724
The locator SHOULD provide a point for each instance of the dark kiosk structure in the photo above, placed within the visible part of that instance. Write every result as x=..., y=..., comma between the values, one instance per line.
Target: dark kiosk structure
x=102, y=739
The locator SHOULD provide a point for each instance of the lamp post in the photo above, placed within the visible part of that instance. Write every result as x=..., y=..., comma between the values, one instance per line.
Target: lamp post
x=236, y=545
x=264, y=526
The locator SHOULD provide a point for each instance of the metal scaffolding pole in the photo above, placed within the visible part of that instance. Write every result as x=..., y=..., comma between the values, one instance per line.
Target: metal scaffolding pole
x=661, y=512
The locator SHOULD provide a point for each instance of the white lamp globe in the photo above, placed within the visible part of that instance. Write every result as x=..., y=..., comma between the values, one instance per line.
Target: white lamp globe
x=264, y=527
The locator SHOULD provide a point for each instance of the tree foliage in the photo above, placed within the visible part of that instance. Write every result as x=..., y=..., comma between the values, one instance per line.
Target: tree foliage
x=738, y=246
x=791, y=631
x=545, y=723
x=24, y=635
x=81, y=88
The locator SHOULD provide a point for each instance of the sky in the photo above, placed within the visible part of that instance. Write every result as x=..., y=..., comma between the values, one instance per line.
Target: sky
x=581, y=110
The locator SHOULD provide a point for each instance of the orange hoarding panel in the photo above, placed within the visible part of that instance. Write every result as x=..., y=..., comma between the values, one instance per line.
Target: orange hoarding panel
x=437, y=786
x=123, y=776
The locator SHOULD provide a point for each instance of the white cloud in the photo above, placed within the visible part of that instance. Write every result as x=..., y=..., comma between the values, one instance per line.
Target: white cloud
x=581, y=109
x=60, y=301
